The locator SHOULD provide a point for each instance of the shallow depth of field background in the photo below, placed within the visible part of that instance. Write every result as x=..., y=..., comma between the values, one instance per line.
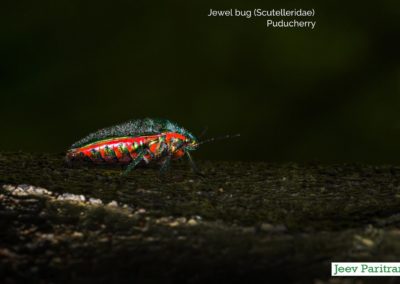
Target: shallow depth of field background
x=330, y=94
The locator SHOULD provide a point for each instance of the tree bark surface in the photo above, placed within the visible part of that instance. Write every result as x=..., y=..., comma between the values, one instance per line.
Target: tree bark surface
x=239, y=222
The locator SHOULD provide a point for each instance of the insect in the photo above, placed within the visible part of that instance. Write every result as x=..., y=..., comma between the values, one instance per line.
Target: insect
x=135, y=142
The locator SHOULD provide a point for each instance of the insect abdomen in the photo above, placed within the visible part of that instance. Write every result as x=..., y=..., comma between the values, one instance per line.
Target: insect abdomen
x=118, y=150
x=124, y=150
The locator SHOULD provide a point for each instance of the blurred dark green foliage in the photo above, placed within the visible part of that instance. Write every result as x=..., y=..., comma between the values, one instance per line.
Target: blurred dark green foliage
x=332, y=94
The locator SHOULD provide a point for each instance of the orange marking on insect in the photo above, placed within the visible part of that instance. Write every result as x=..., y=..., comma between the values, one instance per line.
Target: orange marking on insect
x=103, y=152
x=170, y=135
x=154, y=147
x=178, y=154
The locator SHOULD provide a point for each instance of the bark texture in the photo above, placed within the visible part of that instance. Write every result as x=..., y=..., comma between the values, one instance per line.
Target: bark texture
x=240, y=222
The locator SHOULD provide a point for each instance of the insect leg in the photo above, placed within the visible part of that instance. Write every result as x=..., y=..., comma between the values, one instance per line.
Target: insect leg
x=135, y=162
x=165, y=165
x=194, y=167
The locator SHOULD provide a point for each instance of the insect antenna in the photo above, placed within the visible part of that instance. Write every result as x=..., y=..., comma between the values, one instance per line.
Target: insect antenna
x=228, y=136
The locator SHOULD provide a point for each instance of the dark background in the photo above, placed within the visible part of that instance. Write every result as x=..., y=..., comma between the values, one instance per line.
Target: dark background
x=332, y=94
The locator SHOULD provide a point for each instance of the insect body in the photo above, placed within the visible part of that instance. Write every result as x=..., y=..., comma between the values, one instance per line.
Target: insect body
x=136, y=141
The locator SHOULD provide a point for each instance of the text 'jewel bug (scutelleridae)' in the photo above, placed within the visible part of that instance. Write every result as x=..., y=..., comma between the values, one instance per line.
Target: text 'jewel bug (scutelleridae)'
x=137, y=141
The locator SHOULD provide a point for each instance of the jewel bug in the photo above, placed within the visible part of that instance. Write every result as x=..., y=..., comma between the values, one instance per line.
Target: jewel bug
x=139, y=141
